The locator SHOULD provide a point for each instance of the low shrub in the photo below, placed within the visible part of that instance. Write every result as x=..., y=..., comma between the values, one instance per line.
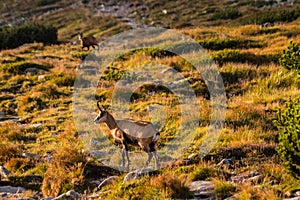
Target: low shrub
x=223, y=189
x=19, y=164
x=229, y=43
x=8, y=151
x=290, y=59
x=175, y=187
x=63, y=79
x=32, y=102
x=49, y=90
x=12, y=37
x=282, y=15
x=235, y=56
x=288, y=123
x=65, y=172
x=203, y=173
x=19, y=67
x=226, y=14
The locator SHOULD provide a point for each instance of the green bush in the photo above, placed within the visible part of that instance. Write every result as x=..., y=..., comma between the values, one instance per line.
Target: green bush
x=290, y=59
x=286, y=15
x=229, y=43
x=12, y=37
x=203, y=173
x=235, y=56
x=19, y=67
x=288, y=123
x=226, y=14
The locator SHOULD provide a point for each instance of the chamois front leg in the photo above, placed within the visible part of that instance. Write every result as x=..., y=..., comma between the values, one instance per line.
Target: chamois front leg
x=125, y=153
x=150, y=155
x=153, y=152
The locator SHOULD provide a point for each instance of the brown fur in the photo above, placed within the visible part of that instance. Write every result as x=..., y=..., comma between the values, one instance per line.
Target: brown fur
x=87, y=41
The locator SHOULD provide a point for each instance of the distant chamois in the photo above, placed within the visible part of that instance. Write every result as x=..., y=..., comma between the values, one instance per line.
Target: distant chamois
x=87, y=41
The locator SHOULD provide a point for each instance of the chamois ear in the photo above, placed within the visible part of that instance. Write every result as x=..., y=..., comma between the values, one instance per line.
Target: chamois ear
x=99, y=106
x=104, y=108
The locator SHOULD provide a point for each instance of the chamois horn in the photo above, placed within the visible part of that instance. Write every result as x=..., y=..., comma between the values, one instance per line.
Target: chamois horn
x=98, y=106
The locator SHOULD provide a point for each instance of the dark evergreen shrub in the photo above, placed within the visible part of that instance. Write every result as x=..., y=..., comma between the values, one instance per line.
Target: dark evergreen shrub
x=288, y=124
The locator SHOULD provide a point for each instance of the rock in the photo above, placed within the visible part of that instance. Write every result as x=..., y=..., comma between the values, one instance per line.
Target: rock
x=202, y=189
x=31, y=155
x=11, y=190
x=4, y=172
x=47, y=198
x=40, y=77
x=73, y=194
x=2, y=114
x=36, y=125
x=226, y=161
x=254, y=179
x=237, y=179
x=107, y=181
x=297, y=193
x=137, y=174
x=294, y=198
x=192, y=156
x=33, y=70
x=60, y=197
x=253, y=173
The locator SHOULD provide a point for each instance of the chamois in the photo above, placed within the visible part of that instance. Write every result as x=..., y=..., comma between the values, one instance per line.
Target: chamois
x=129, y=132
x=87, y=41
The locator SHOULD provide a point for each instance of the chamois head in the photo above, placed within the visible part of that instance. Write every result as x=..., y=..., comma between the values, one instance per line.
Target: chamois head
x=102, y=115
x=80, y=35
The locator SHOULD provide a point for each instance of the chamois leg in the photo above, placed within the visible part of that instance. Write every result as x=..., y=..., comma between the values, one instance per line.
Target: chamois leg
x=155, y=159
x=125, y=153
x=150, y=155
x=153, y=152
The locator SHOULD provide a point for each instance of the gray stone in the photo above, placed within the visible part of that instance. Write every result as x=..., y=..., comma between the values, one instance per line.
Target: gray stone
x=192, y=156
x=2, y=114
x=33, y=70
x=36, y=125
x=31, y=155
x=4, y=172
x=73, y=194
x=226, y=161
x=253, y=173
x=60, y=197
x=137, y=174
x=107, y=181
x=11, y=190
x=254, y=179
x=237, y=179
x=202, y=189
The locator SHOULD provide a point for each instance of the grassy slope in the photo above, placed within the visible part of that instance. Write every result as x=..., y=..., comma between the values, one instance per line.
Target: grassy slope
x=249, y=136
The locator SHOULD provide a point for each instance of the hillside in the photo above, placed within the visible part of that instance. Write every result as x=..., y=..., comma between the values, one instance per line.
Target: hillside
x=48, y=154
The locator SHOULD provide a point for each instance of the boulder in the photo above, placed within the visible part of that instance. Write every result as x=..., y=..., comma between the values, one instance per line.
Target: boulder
x=3, y=172
x=202, y=189
x=107, y=181
x=31, y=155
x=11, y=190
x=73, y=194
x=34, y=71
x=137, y=174
x=226, y=161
